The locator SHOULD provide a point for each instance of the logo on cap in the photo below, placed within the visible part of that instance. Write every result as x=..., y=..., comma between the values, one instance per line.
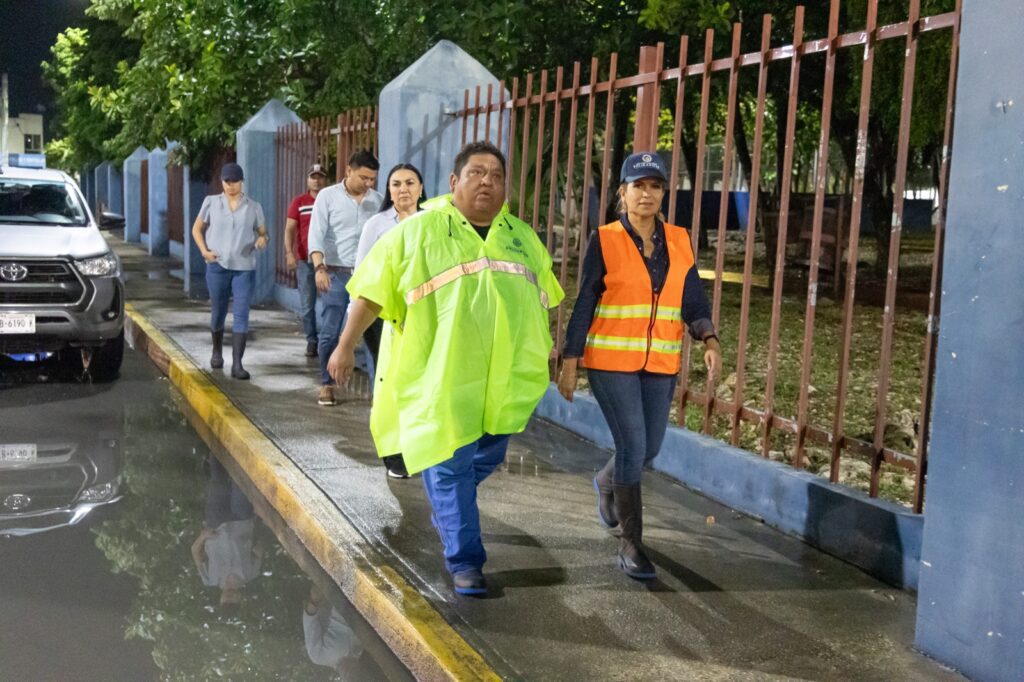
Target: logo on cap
x=646, y=158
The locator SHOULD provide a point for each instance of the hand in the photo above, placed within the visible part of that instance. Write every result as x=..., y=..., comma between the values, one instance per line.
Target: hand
x=567, y=378
x=261, y=242
x=290, y=262
x=712, y=357
x=210, y=256
x=341, y=364
x=323, y=281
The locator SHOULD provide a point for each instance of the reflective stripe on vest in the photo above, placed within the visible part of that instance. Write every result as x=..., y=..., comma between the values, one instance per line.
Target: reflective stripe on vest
x=473, y=268
x=634, y=328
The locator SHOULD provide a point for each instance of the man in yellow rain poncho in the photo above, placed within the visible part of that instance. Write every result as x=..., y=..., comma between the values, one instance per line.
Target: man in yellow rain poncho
x=465, y=287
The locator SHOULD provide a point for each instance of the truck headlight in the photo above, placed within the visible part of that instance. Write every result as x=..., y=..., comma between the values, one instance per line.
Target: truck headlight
x=99, y=493
x=100, y=266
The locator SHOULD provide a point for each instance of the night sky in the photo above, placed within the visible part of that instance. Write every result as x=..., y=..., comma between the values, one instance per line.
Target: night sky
x=27, y=30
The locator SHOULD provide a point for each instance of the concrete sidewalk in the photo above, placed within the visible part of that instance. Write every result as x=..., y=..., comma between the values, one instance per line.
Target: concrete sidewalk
x=734, y=598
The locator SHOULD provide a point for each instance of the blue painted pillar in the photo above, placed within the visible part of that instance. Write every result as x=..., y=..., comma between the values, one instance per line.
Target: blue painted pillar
x=255, y=144
x=414, y=122
x=195, y=267
x=115, y=189
x=159, y=238
x=132, y=178
x=101, y=173
x=971, y=594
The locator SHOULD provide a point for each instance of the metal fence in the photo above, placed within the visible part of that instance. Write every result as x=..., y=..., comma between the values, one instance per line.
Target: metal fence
x=563, y=135
x=326, y=140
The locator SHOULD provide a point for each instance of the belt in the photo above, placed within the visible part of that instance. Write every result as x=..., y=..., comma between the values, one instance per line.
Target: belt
x=342, y=269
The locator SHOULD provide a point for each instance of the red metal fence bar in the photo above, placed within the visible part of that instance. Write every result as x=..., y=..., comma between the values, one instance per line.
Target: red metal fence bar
x=819, y=207
x=934, y=295
x=889, y=311
x=867, y=78
x=780, y=251
x=748, y=252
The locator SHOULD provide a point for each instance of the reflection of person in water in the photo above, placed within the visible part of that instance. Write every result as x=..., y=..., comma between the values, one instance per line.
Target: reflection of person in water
x=330, y=641
x=224, y=552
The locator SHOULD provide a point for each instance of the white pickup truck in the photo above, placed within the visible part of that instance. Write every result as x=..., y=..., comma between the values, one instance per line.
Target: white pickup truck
x=61, y=286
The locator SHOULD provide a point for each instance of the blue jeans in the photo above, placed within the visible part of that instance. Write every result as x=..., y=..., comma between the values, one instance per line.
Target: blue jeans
x=305, y=279
x=635, y=405
x=335, y=304
x=451, y=489
x=225, y=285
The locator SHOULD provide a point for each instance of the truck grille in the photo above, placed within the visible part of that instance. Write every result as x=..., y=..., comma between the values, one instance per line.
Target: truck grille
x=47, y=283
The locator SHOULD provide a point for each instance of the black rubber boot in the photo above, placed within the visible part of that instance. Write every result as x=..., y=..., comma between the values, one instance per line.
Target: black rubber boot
x=605, y=496
x=237, y=351
x=629, y=508
x=217, y=357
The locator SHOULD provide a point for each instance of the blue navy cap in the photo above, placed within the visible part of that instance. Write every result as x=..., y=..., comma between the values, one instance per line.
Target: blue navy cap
x=643, y=165
x=231, y=172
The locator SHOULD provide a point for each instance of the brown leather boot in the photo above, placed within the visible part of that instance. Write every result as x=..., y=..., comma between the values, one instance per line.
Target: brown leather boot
x=629, y=509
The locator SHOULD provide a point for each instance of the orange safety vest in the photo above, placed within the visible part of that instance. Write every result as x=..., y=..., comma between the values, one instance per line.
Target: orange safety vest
x=635, y=329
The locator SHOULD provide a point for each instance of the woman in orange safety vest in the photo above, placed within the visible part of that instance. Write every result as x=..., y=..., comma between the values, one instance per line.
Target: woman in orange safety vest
x=639, y=293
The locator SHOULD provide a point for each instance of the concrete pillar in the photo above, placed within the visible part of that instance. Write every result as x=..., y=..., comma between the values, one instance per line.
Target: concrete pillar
x=101, y=173
x=970, y=611
x=195, y=267
x=159, y=240
x=414, y=123
x=88, y=187
x=132, y=179
x=115, y=189
x=255, y=145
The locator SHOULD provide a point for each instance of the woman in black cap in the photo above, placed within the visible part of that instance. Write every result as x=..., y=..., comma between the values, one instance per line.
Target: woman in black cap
x=229, y=229
x=639, y=293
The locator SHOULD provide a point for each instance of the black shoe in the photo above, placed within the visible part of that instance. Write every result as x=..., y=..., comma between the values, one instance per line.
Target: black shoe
x=238, y=350
x=470, y=582
x=395, y=466
x=605, y=505
x=217, y=357
x=629, y=509
x=311, y=349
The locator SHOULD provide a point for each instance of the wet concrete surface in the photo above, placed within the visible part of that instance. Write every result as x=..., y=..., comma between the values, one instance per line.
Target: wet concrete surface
x=129, y=552
x=734, y=599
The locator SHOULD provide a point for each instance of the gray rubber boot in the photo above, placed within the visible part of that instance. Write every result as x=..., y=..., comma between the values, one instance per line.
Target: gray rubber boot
x=629, y=508
x=237, y=351
x=606, y=496
x=217, y=357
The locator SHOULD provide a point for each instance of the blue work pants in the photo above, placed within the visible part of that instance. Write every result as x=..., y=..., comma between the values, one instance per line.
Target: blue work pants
x=335, y=302
x=305, y=280
x=451, y=489
x=635, y=405
x=229, y=286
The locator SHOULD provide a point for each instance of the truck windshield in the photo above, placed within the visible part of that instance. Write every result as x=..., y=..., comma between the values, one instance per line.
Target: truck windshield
x=40, y=202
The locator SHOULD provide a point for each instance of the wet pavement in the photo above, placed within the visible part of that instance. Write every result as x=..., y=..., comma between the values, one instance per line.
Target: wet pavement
x=734, y=598
x=129, y=552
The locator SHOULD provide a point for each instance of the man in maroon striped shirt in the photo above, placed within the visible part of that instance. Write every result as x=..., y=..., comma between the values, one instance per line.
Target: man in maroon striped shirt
x=296, y=245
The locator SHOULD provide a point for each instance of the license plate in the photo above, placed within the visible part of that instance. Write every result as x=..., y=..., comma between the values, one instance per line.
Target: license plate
x=18, y=452
x=17, y=323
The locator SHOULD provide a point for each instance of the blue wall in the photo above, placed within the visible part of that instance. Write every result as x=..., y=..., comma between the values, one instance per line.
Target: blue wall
x=971, y=598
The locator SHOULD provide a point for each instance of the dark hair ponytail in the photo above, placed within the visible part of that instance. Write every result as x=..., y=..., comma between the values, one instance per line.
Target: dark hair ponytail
x=388, y=202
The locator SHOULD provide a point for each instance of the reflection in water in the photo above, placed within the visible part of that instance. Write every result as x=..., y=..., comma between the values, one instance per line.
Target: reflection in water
x=180, y=579
x=224, y=553
x=330, y=641
x=54, y=476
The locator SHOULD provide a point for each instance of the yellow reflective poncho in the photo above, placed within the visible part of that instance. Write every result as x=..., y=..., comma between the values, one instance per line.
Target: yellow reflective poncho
x=466, y=348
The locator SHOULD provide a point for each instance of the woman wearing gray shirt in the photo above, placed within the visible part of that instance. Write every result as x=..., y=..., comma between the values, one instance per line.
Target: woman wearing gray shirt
x=229, y=229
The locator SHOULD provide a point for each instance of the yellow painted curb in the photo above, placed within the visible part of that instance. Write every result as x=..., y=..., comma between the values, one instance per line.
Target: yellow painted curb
x=413, y=629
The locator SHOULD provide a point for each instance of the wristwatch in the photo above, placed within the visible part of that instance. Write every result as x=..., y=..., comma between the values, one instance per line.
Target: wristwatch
x=321, y=268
